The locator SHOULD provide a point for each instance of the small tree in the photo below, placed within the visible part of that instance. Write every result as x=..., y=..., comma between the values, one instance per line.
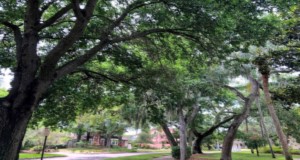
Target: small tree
x=253, y=140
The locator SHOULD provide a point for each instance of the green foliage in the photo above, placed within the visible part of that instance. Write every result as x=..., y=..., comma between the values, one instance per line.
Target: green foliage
x=36, y=138
x=144, y=137
x=244, y=156
x=278, y=150
x=82, y=144
x=3, y=92
x=176, y=152
x=287, y=91
x=290, y=125
x=37, y=149
x=254, y=141
x=31, y=155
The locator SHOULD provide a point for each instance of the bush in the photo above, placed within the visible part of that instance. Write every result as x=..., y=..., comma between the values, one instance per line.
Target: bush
x=37, y=149
x=58, y=146
x=176, y=152
x=277, y=150
x=28, y=144
x=82, y=144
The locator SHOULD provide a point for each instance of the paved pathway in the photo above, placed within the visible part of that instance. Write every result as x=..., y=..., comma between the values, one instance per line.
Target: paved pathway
x=91, y=156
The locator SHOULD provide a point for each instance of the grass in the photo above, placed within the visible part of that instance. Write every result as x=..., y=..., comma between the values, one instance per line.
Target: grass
x=141, y=157
x=241, y=156
x=35, y=155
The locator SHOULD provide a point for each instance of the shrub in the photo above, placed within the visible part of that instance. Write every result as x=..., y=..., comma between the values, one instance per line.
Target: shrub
x=58, y=146
x=81, y=144
x=176, y=152
x=37, y=149
x=277, y=150
x=28, y=144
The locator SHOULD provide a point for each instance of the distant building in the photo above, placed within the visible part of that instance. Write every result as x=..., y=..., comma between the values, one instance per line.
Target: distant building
x=99, y=140
x=238, y=145
x=293, y=143
x=159, y=139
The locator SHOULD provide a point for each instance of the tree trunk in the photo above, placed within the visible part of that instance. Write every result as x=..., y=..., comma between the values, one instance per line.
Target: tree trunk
x=247, y=130
x=257, y=152
x=12, y=130
x=276, y=122
x=190, y=138
x=88, y=136
x=197, y=149
x=200, y=136
x=182, y=132
x=228, y=140
x=108, y=141
x=120, y=143
x=168, y=134
x=79, y=134
x=264, y=128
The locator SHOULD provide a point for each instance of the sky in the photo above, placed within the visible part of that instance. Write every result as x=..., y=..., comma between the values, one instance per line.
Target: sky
x=5, y=78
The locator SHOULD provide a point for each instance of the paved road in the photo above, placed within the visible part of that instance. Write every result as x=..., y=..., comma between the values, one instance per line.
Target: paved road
x=91, y=156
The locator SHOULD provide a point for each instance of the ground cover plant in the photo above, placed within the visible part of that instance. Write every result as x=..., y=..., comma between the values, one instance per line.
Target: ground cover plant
x=239, y=156
x=35, y=155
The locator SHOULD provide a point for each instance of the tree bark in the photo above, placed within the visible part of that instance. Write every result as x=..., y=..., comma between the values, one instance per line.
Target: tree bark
x=12, y=130
x=264, y=128
x=228, y=140
x=88, y=136
x=190, y=137
x=182, y=132
x=257, y=152
x=108, y=141
x=197, y=149
x=200, y=136
x=282, y=137
x=168, y=134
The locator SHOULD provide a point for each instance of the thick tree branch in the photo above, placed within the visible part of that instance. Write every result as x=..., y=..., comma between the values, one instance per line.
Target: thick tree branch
x=214, y=127
x=61, y=48
x=76, y=8
x=55, y=17
x=17, y=35
x=46, y=6
x=98, y=75
x=238, y=93
x=191, y=116
x=72, y=65
x=128, y=9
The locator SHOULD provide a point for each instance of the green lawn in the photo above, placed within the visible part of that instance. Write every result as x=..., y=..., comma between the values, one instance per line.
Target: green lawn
x=141, y=157
x=244, y=156
x=31, y=155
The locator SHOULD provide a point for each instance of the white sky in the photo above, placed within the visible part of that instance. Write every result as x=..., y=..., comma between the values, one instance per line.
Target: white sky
x=5, y=78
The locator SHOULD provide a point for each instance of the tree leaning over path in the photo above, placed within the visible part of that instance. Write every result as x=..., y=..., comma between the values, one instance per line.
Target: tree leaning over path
x=232, y=130
x=48, y=40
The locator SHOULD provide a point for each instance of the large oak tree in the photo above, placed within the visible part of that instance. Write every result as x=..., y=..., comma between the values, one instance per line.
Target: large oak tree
x=43, y=41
